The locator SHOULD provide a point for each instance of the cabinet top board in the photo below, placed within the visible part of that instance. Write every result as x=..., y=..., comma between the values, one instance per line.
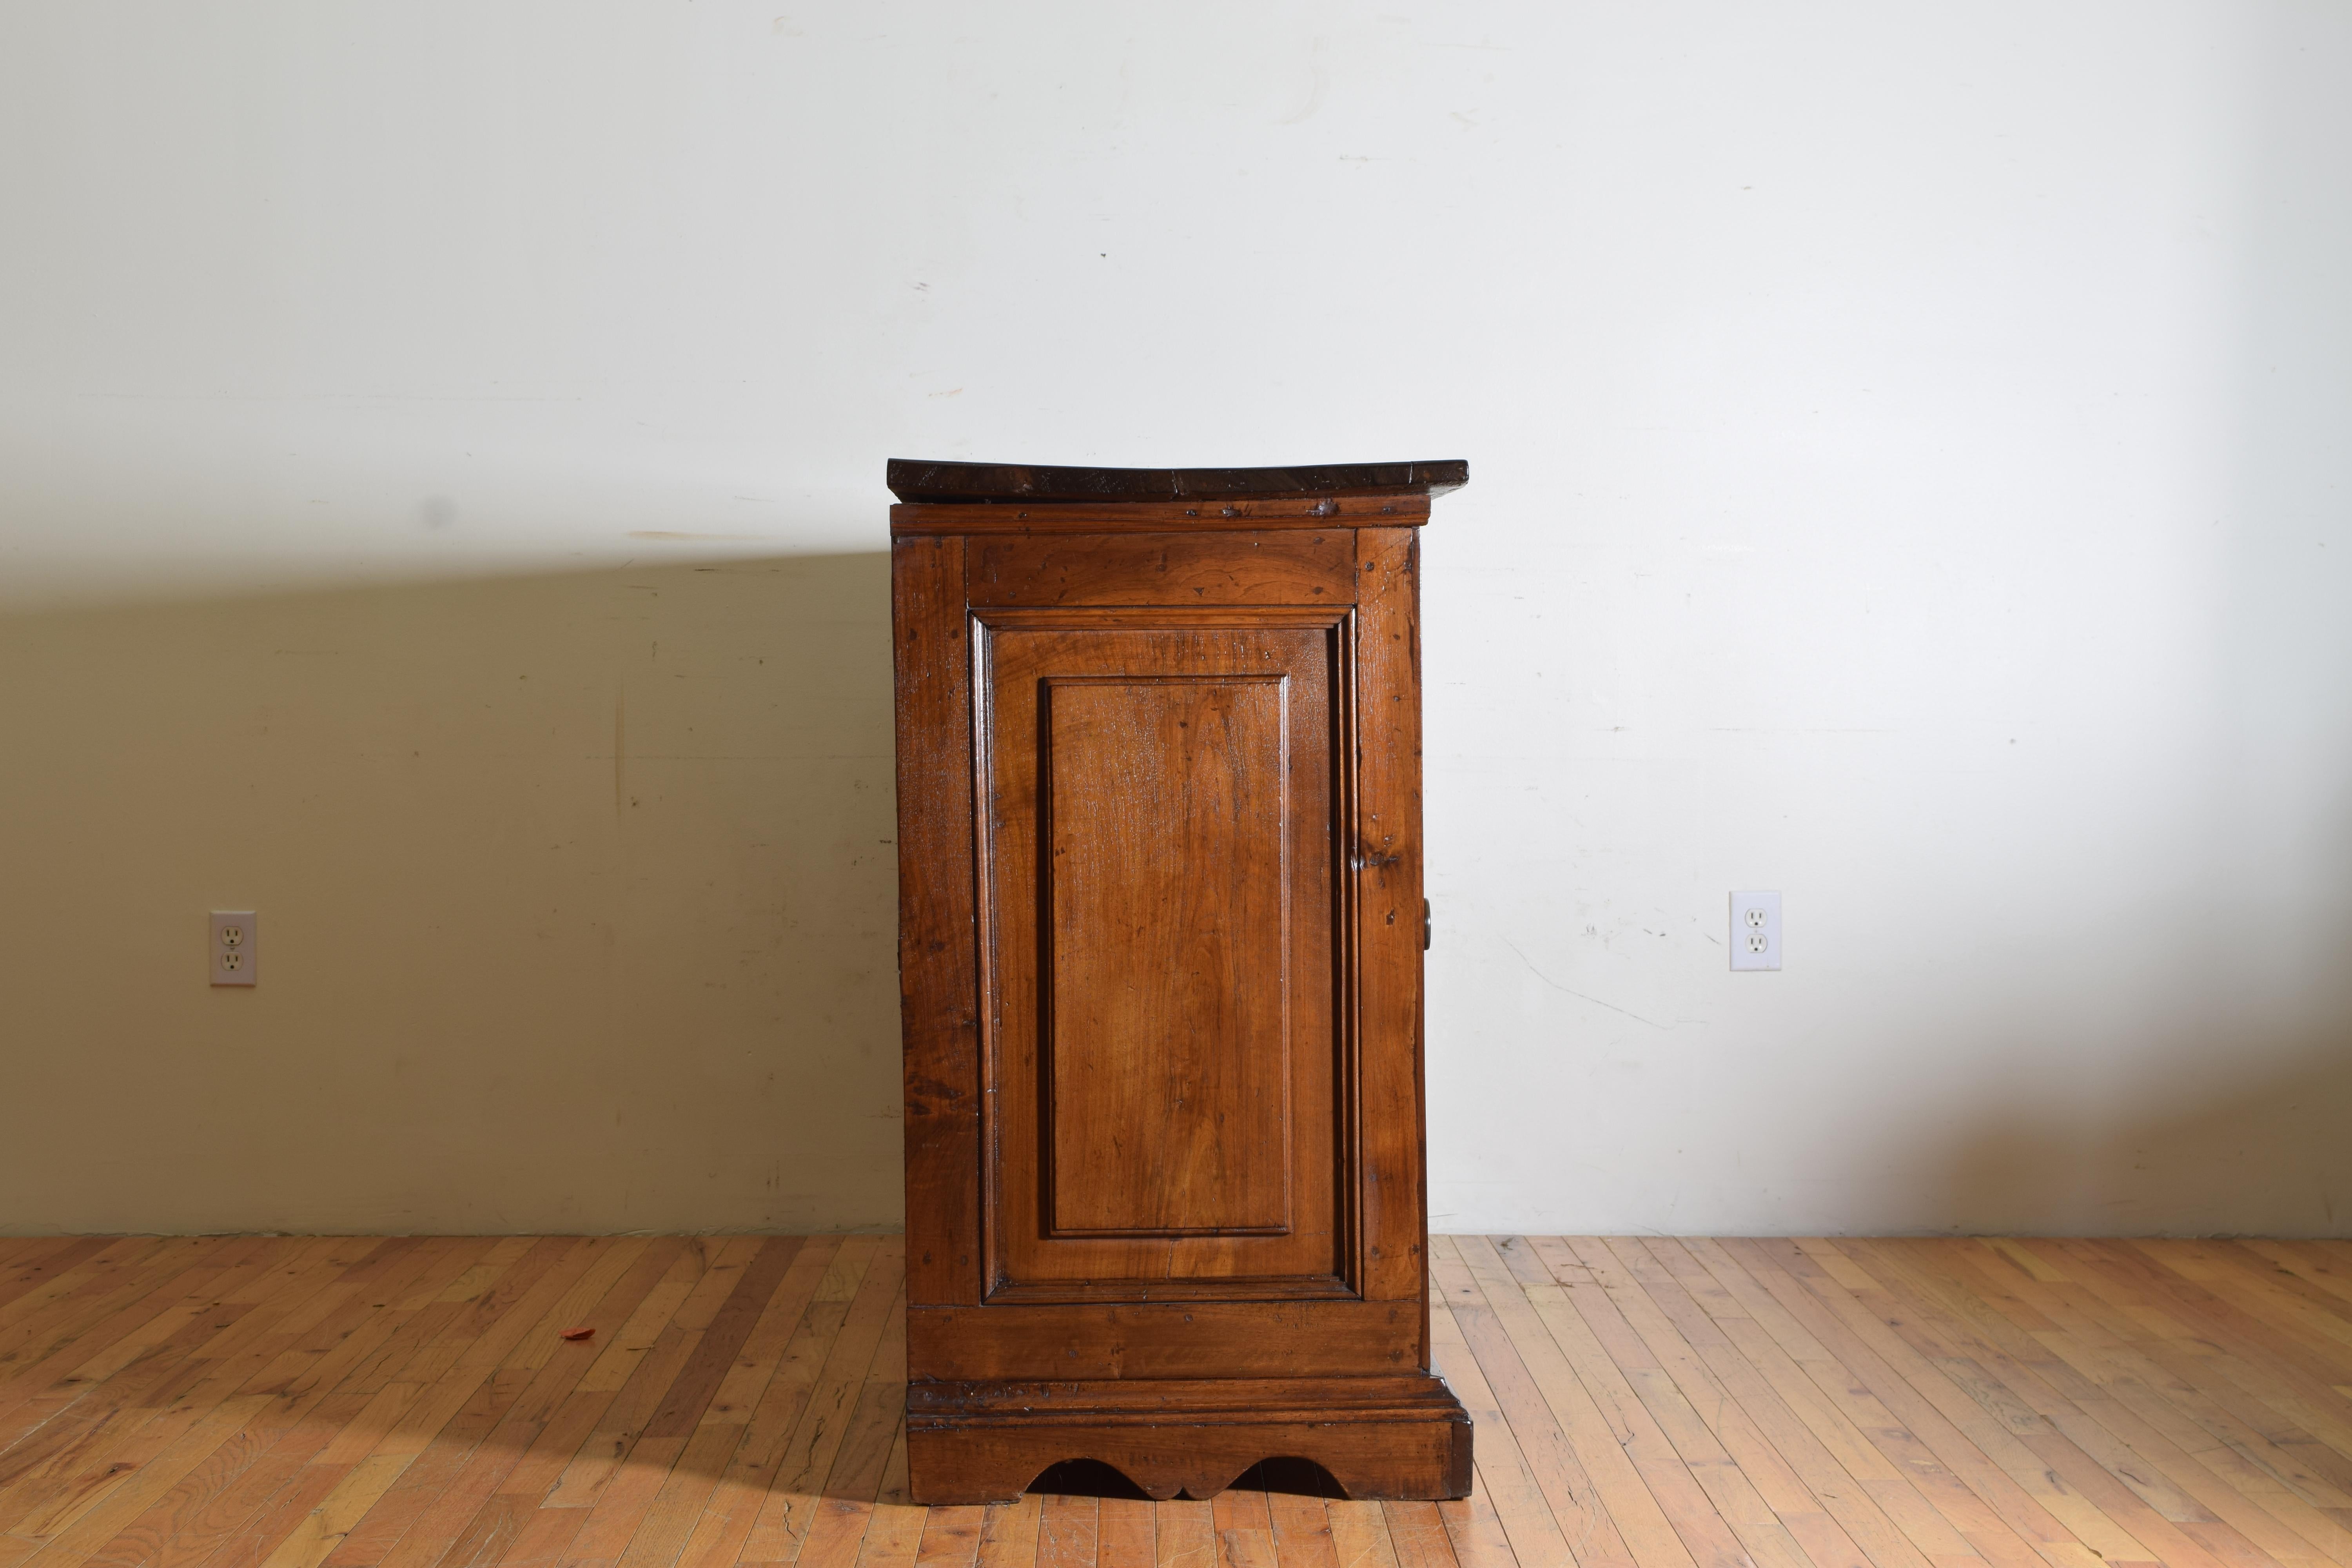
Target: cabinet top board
x=912, y=479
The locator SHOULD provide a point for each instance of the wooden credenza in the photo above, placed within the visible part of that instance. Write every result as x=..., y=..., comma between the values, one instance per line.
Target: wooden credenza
x=1161, y=934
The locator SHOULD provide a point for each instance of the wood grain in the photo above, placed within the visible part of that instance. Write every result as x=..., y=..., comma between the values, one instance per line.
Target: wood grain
x=1163, y=819
x=1194, y=744
x=1384, y=848
x=938, y=481
x=938, y=976
x=1274, y=567
x=346, y=1402
x=1157, y=887
x=917, y=519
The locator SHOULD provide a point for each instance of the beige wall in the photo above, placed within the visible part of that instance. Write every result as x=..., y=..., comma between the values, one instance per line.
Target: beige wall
x=576, y=894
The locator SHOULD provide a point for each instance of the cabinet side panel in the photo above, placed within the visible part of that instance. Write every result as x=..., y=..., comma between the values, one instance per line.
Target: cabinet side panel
x=938, y=956
x=1387, y=856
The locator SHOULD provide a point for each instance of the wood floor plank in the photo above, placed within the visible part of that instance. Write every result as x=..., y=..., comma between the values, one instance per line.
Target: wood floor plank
x=1755, y=1486
x=797, y=1473
x=2139, y=1450
x=221, y=1523
x=435, y=1461
x=768, y=1389
x=2307, y=1261
x=1476, y=1533
x=1704, y=1535
x=1719, y=1371
x=2041, y=1414
x=2272, y=1296
x=546, y=1537
x=644, y=1360
x=1008, y=1535
x=707, y=1506
x=1244, y=1525
x=2292, y=1378
x=152, y=1454
x=761, y=1357
x=622, y=1498
x=668, y=1522
x=1921, y=1403
x=2093, y=1331
x=44, y=1260
x=136, y=1520
x=39, y=1383
x=621, y=1327
x=1068, y=1531
x=47, y=1469
x=894, y=1534
x=1125, y=1537
x=2008, y=1478
x=65, y=1306
x=1302, y=1533
x=154, y=1499
x=1536, y=1529
x=950, y=1537
x=712, y=1435
x=204, y=1291
x=837, y=1530
x=472, y=1513
x=2230, y=1372
x=1595, y=1491
x=1185, y=1534
x=1790, y=1321
x=698, y=1378
x=1418, y=1532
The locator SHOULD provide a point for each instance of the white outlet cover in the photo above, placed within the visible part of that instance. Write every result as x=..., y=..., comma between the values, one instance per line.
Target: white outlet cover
x=234, y=947
x=1755, y=930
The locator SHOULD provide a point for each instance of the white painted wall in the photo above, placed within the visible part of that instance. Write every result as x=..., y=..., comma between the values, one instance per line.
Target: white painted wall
x=1910, y=471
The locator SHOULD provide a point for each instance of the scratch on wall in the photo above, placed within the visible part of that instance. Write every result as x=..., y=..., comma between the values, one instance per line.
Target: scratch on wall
x=620, y=752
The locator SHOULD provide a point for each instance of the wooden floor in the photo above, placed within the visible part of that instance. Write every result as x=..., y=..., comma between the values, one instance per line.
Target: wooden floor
x=291, y=1403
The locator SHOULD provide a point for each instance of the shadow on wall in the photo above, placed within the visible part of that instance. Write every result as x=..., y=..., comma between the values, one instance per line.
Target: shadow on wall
x=576, y=901
x=2278, y=1145
x=2240, y=1118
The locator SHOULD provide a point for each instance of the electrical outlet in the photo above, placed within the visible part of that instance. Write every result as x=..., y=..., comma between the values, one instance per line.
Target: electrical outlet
x=234, y=945
x=1755, y=930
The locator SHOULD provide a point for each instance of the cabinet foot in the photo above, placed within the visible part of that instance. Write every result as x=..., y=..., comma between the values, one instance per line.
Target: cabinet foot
x=1393, y=1438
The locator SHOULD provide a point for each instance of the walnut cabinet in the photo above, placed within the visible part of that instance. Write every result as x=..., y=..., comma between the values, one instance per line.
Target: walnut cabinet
x=1160, y=935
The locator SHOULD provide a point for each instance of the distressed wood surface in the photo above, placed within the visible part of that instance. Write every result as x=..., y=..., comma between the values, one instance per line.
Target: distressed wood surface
x=1197, y=993
x=1323, y=512
x=938, y=931
x=915, y=480
x=1278, y=566
x=290, y=1402
x=1160, y=888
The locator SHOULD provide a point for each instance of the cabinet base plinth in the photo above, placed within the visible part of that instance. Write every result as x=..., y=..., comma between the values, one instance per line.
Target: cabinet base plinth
x=1390, y=1438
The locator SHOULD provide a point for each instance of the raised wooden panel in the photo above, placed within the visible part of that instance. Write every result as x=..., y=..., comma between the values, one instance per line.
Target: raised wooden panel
x=1163, y=901
x=1267, y=567
x=1168, y=1049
